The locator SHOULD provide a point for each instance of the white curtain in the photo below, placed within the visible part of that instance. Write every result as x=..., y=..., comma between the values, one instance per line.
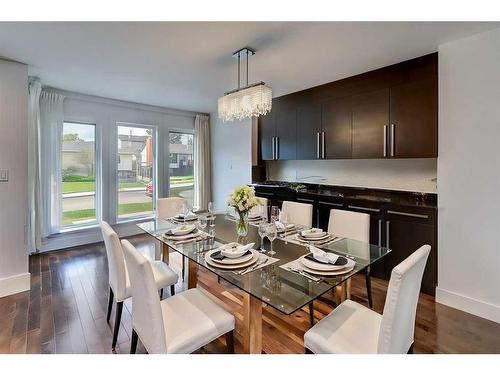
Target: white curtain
x=51, y=126
x=202, y=163
x=34, y=193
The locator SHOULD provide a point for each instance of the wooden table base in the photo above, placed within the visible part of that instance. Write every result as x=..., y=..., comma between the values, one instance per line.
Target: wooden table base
x=252, y=321
x=192, y=274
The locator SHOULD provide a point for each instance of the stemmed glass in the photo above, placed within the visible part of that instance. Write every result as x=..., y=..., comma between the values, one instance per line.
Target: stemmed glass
x=284, y=219
x=262, y=233
x=202, y=222
x=184, y=209
x=275, y=213
x=271, y=236
x=210, y=207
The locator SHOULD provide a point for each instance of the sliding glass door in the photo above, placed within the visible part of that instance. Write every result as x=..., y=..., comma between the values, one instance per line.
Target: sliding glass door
x=181, y=165
x=78, y=163
x=136, y=168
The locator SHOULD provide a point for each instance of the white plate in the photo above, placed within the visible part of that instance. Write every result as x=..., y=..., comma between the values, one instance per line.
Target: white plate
x=184, y=237
x=181, y=219
x=254, y=259
x=324, y=266
x=180, y=232
x=328, y=273
x=239, y=260
x=310, y=234
x=310, y=239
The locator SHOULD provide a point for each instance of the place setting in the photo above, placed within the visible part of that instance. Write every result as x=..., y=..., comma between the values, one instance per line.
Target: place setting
x=318, y=264
x=184, y=233
x=314, y=236
x=241, y=259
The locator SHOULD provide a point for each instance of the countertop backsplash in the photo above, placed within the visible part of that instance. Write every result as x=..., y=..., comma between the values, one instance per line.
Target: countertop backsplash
x=418, y=175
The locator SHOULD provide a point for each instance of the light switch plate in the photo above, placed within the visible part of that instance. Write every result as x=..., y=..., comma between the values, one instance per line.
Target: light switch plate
x=4, y=175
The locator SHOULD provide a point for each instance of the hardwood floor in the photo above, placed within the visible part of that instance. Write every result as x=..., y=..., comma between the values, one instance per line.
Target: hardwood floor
x=65, y=312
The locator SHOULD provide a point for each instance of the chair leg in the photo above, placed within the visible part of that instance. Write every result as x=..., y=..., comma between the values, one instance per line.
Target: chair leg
x=172, y=290
x=230, y=342
x=118, y=318
x=311, y=314
x=307, y=351
x=410, y=351
x=161, y=293
x=183, y=267
x=110, y=304
x=218, y=279
x=133, y=342
x=369, y=288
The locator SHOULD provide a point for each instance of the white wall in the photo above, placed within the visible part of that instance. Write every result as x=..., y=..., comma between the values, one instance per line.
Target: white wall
x=469, y=175
x=231, y=157
x=14, y=276
x=394, y=174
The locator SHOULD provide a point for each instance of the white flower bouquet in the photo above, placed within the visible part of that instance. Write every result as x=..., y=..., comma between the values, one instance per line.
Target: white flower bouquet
x=243, y=199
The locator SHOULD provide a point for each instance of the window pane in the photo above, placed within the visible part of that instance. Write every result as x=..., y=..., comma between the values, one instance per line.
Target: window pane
x=182, y=166
x=78, y=174
x=135, y=171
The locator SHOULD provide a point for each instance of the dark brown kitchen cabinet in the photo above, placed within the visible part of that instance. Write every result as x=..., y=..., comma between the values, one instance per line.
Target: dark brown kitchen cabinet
x=414, y=131
x=370, y=120
x=406, y=231
x=286, y=136
x=267, y=132
x=336, y=129
x=308, y=132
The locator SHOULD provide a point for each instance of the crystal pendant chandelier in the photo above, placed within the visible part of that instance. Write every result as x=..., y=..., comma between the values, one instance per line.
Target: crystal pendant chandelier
x=243, y=102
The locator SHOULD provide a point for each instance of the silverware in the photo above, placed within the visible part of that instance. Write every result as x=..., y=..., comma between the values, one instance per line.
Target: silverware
x=196, y=239
x=305, y=274
x=251, y=268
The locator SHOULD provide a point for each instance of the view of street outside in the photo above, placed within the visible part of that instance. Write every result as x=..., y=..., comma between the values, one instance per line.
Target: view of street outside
x=135, y=172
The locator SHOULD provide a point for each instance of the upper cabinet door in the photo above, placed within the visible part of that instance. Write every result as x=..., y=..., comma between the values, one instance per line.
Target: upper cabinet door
x=370, y=124
x=286, y=132
x=267, y=134
x=336, y=128
x=308, y=131
x=414, y=130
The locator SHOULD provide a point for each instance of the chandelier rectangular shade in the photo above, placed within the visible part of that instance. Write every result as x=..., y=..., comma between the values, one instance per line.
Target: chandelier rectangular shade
x=250, y=101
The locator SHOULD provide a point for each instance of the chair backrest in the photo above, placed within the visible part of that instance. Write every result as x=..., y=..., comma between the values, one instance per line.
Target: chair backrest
x=262, y=209
x=298, y=213
x=350, y=224
x=116, y=262
x=147, y=317
x=169, y=207
x=398, y=320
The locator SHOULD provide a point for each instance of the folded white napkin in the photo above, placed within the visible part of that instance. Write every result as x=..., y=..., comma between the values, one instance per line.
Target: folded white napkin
x=189, y=215
x=323, y=256
x=181, y=229
x=313, y=232
x=235, y=249
x=280, y=226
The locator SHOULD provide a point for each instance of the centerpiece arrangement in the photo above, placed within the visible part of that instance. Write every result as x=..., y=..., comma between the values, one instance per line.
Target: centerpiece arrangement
x=242, y=200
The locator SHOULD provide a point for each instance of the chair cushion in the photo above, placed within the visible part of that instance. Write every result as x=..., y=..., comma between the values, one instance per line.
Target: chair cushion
x=349, y=328
x=192, y=319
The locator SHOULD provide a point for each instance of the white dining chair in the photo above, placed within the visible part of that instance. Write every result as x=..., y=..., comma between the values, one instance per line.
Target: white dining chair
x=356, y=226
x=169, y=207
x=180, y=324
x=298, y=213
x=353, y=328
x=119, y=282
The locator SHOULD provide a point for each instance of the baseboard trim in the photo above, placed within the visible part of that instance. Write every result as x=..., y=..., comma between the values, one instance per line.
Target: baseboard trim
x=15, y=284
x=473, y=306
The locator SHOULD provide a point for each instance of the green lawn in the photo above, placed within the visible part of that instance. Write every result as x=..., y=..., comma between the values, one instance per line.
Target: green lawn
x=70, y=217
x=89, y=186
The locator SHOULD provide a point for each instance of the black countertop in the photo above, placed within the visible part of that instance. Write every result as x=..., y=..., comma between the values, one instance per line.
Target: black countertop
x=396, y=197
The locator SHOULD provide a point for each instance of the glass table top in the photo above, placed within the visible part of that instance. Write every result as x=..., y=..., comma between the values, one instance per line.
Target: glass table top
x=284, y=290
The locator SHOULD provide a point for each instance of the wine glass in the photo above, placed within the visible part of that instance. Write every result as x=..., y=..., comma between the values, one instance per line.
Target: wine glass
x=271, y=236
x=275, y=213
x=284, y=219
x=210, y=207
x=202, y=222
x=262, y=233
x=196, y=208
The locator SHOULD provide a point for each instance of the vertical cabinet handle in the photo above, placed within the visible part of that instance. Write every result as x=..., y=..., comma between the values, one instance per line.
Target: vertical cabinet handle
x=387, y=234
x=277, y=148
x=379, y=233
x=385, y=141
x=274, y=150
x=322, y=145
x=317, y=145
x=392, y=139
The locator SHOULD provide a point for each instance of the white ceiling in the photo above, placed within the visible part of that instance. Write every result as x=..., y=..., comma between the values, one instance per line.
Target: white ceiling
x=189, y=65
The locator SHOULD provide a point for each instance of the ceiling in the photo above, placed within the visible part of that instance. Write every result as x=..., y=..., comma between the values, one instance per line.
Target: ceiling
x=188, y=65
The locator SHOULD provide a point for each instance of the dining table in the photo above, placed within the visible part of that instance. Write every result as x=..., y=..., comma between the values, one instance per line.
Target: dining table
x=272, y=284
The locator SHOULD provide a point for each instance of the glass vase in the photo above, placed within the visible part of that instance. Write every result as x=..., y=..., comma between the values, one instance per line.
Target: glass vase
x=242, y=224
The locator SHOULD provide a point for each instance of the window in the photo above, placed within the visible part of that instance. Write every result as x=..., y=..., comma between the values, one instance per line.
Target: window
x=136, y=171
x=182, y=165
x=78, y=175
